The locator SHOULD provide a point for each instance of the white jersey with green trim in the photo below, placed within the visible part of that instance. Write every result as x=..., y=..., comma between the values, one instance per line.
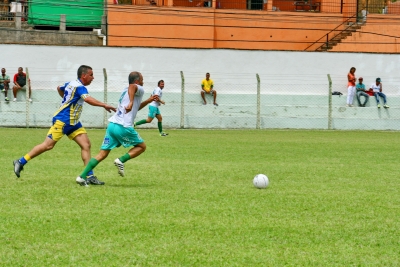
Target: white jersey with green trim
x=158, y=92
x=123, y=118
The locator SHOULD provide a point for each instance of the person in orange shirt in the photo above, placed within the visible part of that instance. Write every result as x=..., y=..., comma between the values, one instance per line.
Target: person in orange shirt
x=351, y=86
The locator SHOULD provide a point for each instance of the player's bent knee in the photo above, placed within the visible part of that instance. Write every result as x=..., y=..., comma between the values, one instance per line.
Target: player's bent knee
x=143, y=147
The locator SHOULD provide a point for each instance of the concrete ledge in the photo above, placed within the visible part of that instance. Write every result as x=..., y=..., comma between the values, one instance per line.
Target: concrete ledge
x=234, y=111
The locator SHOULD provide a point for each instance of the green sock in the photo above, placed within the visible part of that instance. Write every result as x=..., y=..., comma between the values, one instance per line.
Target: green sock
x=90, y=166
x=125, y=158
x=141, y=122
x=159, y=126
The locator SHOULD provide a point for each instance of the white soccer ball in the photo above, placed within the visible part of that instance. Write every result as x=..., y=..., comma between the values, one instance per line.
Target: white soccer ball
x=261, y=181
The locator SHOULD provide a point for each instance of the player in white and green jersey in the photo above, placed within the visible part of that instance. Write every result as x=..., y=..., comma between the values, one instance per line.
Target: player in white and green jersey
x=154, y=111
x=120, y=130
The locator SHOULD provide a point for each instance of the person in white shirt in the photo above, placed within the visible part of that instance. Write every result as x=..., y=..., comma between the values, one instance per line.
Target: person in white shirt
x=377, y=89
x=120, y=130
x=154, y=111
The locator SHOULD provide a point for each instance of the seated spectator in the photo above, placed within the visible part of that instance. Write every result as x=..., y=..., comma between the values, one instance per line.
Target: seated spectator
x=360, y=87
x=207, y=87
x=20, y=83
x=4, y=83
x=377, y=89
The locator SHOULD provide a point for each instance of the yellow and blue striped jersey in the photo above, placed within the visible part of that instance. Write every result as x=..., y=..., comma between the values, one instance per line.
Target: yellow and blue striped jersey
x=71, y=106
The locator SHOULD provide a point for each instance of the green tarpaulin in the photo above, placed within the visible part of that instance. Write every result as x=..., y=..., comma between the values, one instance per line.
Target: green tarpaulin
x=78, y=13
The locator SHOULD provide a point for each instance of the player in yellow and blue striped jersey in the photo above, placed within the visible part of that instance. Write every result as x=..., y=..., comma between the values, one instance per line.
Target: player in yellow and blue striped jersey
x=66, y=121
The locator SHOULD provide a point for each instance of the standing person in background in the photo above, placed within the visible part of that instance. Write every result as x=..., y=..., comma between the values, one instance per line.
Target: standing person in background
x=4, y=83
x=351, y=86
x=207, y=87
x=20, y=83
x=66, y=121
x=377, y=89
x=154, y=111
x=120, y=130
x=360, y=87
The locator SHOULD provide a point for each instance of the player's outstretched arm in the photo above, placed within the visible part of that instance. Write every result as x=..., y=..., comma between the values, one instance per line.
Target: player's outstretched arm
x=148, y=101
x=94, y=102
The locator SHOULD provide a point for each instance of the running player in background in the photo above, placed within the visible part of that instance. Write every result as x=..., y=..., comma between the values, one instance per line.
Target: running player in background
x=120, y=130
x=154, y=111
x=66, y=121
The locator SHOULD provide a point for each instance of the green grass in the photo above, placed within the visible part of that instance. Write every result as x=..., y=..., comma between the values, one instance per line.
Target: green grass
x=333, y=200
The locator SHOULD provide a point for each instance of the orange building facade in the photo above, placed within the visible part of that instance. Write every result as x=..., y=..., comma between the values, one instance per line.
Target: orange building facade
x=169, y=23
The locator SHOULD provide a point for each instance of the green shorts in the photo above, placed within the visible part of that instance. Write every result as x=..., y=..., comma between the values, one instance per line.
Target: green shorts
x=153, y=111
x=117, y=135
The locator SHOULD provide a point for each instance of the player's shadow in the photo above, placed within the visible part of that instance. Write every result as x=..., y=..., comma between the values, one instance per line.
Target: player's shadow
x=129, y=185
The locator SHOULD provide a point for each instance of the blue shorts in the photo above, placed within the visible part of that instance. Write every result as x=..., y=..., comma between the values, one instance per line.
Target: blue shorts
x=117, y=135
x=59, y=128
x=153, y=111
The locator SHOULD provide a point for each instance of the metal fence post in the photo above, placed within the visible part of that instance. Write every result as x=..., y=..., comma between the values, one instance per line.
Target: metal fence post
x=105, y=96
x=27, y=103
x=330, y=103
x=258, y=126
x=182, y=101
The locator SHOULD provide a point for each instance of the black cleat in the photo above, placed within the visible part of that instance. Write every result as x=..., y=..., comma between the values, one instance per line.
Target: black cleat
x=93, y=180
x=18, y=167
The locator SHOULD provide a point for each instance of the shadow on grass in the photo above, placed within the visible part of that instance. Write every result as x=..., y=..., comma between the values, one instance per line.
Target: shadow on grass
x=129, y=185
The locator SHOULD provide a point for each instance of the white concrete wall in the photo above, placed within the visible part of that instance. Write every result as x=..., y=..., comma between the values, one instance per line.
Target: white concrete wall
x=232, y=70
x=294, y=85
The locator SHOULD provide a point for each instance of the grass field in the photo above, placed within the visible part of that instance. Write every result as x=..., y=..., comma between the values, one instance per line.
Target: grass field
x=333, y=200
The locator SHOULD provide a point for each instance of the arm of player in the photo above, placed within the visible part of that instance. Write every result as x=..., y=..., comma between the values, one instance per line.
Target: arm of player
x=159, y=100
x=148, y=101
x=132, y=89
x=94, y=102
x=60, y=92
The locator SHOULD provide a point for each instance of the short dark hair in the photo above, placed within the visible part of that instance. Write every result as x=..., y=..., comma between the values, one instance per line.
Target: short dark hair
x=160, y=81
x=133, y=76
x=208, y=73
x=83, y=69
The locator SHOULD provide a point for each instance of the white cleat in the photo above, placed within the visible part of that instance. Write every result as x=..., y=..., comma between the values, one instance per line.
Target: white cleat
x=81, y=182
x=120, y=167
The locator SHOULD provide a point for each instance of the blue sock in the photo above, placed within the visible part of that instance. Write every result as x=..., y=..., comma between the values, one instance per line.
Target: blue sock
x=23, y=161
x=90, y=173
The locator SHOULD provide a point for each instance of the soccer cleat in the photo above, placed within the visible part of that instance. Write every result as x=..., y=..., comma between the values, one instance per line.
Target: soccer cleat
x=163, y=134
x=81, y=181
x=120, y=167
x=379, y=106
x=6, y=99
x=3, y=90
x=385, y=106
x=15, y=100
x=30, y=100
x=93, y=180
x=18, y=167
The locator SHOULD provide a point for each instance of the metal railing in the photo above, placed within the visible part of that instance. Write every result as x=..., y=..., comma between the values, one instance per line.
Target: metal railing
x=8, y=11
x=334, y=33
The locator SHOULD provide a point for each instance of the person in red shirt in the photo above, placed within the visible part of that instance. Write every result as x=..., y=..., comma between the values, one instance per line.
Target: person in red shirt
x=20, y=83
